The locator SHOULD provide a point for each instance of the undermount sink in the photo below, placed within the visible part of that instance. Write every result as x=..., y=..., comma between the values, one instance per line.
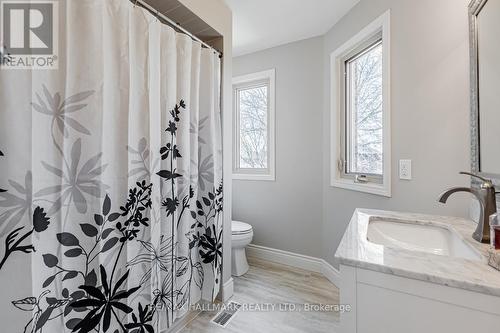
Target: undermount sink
x=420, y=237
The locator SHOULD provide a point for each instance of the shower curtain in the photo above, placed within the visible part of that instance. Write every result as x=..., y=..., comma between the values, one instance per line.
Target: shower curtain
x=110, y=177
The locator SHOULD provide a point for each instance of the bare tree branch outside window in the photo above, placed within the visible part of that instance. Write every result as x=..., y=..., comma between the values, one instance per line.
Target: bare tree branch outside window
x=253, y=107
x=366, y=151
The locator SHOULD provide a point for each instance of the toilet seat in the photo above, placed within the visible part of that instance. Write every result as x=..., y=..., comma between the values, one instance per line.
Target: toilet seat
x=241, y=228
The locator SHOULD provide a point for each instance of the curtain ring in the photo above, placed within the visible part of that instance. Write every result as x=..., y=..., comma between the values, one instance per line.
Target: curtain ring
x=135, y=3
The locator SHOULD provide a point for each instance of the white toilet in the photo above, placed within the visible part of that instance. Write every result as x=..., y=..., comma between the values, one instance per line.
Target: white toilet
x=242, y=234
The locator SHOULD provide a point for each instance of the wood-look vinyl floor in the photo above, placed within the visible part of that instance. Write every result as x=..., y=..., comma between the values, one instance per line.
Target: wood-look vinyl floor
x=270, y=283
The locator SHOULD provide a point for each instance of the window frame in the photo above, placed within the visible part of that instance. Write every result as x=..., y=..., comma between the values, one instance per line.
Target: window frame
x=247, y=82
x=356, y=46
x=347, y=134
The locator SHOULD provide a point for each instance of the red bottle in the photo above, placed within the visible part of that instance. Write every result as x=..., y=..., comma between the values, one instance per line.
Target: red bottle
x=495, y=231
x=496, y=235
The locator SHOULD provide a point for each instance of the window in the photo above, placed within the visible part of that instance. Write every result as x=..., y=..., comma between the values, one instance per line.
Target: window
x=363, y=126
x=361, y=111
x=254, y=126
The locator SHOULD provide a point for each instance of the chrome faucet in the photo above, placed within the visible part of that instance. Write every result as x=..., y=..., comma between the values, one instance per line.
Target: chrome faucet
x=485, y=194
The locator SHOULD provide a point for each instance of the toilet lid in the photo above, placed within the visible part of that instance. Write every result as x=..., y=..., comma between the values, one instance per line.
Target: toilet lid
x=238, y=227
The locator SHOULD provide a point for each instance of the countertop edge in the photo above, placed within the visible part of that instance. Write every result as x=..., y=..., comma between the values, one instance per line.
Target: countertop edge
x=419, y=276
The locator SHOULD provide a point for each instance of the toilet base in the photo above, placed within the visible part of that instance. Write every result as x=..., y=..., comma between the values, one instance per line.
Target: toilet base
x=239, y=262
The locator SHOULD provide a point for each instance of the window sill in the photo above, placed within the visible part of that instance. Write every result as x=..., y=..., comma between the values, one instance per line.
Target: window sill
x=254, y=177
x=377, y=189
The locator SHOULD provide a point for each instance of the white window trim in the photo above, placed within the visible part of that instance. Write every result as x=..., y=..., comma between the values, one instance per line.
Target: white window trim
x=268, y=75
x=336, y=180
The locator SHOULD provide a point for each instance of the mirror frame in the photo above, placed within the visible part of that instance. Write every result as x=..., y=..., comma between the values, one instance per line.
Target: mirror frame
x=475, y=8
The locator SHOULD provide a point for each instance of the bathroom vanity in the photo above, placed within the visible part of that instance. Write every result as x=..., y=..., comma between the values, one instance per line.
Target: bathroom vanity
x=412, y=273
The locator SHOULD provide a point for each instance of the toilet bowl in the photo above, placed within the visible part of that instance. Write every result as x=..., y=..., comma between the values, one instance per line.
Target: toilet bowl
x=242, y=234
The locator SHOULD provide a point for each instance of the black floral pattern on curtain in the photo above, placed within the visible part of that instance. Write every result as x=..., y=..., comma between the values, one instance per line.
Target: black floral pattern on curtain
x=103, y=296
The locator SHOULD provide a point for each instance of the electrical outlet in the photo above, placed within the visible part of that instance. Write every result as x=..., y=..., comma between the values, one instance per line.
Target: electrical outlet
x=405, y=169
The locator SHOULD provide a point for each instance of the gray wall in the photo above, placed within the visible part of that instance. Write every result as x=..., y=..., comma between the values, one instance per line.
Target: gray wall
x=430, y=109
x=287, y=214
x=300, y=212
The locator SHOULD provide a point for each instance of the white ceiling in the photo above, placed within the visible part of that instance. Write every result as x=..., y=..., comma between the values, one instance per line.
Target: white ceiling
x=262, y=24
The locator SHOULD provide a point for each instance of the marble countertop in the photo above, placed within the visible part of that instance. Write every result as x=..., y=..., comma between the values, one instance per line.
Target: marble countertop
x=474, y=275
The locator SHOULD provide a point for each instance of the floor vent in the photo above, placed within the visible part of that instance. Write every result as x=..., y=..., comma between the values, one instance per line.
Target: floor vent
x=223, y=318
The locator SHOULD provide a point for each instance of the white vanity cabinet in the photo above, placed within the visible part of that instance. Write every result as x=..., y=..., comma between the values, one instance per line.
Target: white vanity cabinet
x=384, y=303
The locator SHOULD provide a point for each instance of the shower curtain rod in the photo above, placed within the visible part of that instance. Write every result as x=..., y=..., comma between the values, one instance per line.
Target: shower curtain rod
x=173, y=24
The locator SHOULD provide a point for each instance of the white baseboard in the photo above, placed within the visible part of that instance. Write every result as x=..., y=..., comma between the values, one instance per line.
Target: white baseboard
x=331, y=273
x=296, y=260
x=285, y=258
x=227, y=290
